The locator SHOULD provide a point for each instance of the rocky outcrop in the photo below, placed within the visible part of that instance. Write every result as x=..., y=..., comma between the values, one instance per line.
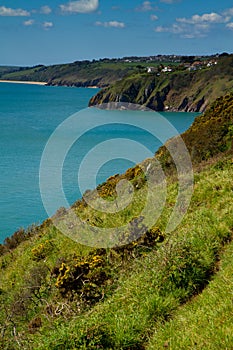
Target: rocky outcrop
x=178, y=91
x=156, y=99
x=184, y=103
x=86, y=83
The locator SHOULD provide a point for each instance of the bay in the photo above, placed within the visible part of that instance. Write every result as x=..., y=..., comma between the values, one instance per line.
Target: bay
x=29, y=114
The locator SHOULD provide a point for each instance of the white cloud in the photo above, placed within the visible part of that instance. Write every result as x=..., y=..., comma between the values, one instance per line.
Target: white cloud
x=81, y=6
x=185, y=30
x=154, y=18
x=161, y=29
x=146, y=6
x=230, y=25
x=28, y=23
x=175, y=29
x=47, y=25
x=113, y=24
x=45, y=10
x=197, y=26
x=205, y=18
x=7, y=11
x=228, y=12
x=202, y=26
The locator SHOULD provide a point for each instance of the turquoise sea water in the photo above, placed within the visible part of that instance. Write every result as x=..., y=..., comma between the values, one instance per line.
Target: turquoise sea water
x=29, y=114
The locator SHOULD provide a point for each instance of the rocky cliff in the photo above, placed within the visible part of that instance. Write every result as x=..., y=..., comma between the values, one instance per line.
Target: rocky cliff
x=180, y=90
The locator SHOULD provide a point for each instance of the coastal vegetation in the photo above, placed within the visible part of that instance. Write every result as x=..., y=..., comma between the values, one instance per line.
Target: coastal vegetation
x=80, y=73
x=161, y=83
x=162, y=290
x=190, y=89
x=100, y=73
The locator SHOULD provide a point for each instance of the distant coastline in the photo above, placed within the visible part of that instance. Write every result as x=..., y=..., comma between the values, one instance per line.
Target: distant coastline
x=40, y=83
x=24, y=82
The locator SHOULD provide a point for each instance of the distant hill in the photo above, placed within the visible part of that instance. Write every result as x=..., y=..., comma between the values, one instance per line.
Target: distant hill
x=184, y=88
x=100, y=73
x=5, y=70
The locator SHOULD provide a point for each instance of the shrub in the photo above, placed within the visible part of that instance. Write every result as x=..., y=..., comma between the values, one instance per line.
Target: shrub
x=42, y=250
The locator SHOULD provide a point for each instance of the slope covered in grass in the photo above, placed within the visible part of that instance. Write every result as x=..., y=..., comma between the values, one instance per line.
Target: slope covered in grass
x=206, y=321
x=80, y=73
x=154, y=285
x=126, y=293
x=58, y=294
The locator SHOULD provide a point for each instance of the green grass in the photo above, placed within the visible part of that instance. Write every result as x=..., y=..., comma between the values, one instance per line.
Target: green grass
x=206, y=321
x=92, y=73
x=19, y=74
x=146, y=290
x=58, y=294
x=7, y=69
x=153, y=287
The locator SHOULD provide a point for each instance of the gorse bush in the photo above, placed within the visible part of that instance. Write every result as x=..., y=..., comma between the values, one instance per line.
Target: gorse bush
x=42, y=250
x=94, y=275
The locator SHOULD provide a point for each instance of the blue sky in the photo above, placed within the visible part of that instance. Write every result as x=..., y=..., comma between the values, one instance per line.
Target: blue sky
x=47, y=32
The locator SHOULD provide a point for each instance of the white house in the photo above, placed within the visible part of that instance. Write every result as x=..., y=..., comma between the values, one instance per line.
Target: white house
x=166, y=70
x=151, y=69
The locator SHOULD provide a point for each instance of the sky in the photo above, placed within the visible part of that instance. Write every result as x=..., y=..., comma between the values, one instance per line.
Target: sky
x=58, y=31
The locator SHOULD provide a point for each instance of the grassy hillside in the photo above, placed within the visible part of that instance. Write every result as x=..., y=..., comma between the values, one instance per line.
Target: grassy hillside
x=181, y=90
x=206, y=321
x=8, y=69
x=80, y=73
x=58, y=294
x=210, y=134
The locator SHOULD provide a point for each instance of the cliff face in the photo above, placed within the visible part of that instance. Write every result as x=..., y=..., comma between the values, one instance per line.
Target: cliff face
x=177, y=91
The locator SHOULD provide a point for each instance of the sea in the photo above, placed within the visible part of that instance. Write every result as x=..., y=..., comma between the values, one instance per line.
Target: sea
x=43, y=128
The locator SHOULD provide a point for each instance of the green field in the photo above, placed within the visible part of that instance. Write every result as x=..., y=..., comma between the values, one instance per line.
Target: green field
x=83, y=72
